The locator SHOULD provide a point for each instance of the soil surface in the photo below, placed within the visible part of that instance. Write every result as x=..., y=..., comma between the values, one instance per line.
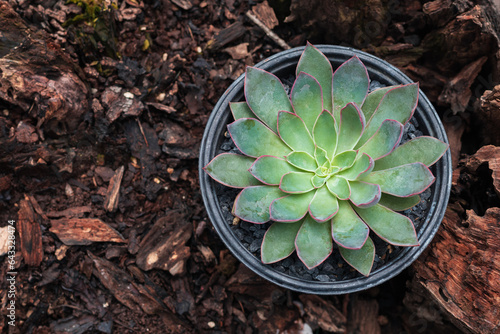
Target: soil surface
x=102, y=111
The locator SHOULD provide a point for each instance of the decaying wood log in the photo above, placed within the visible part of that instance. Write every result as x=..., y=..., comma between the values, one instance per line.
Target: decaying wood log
x=491, y=155
x=164, y=247
x=38, y=77
x=460, y=271
x=84, y=231
x=113, y=194
x=30, y=234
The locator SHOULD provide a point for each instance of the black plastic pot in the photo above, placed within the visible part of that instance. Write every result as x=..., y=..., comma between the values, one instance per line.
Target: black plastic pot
x=283, y=64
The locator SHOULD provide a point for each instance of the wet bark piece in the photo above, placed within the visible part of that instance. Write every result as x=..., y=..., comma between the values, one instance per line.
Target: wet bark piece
x=363, y=318
x=226, y=36
x=265, y=14
x=164, y=247
x=30, y=234
x=321, y=313
x=38, y=77
x=84, y=231
x=460, y=270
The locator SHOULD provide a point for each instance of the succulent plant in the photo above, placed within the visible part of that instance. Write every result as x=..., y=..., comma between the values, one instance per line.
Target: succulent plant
x=324, y=164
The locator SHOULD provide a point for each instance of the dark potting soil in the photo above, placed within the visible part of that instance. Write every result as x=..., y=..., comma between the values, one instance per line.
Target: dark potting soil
x=334, y=268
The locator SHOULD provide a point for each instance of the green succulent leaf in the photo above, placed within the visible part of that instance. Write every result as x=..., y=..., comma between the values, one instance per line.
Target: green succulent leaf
x=279, y=241
x=373, y=100
x=294, y=133
x=265, y=96
x=313, y=243
x=364, y=194
x=344, y=160
x=255, y=139
x=252, y=203
x=399, y=203
x=360, y=259
x=348, y=230
x=352, y=124
x=391, y=226
x=291, y=208
x=241, y=110
x=324, y=133
x=339, y=186
x=350, y=84
x=318, y=181
x=269, y=169
x=402, y=181
x=362, y=166
x=426, y=150
x=324, y=205
x=232, y=170
x=302, y=160
x=398, y=104
x=307, y=99
x=321, y=156
x=296, y=182
x=313, y=62
x=384, y=140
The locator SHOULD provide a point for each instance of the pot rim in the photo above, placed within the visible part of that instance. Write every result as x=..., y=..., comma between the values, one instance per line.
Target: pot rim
x=427, y=117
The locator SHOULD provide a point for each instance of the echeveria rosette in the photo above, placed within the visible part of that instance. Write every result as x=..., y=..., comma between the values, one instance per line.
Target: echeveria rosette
x=324, y=162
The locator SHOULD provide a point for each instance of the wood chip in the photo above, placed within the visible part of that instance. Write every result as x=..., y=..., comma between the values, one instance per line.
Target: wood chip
x=460, y=265
x=265, y=14
x=164, y=247
x=184, y=4
x=4, y=240
x=30, y=234
x=364, y=317
x=487, y=154
x=113, y=194
x=84, y=231
x=239, y=51
x=78, y=211
x=323, y=314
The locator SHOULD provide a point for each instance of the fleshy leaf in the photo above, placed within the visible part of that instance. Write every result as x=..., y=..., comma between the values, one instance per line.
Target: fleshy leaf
x=279, y=241
x=313, y=62
x=399, y=203
x=363, y=194
x=321, y=156
x=426, y=150
x=252, y=203
x=391, y=226
x=241, y=110
x=360, y=259
x=291, y=208
x=313, y=243
x=296, y=182
x=348, y=230
x=302, y=160
x=345, y=159
x=350, y=84
x=232, y=170
x=402, y=181
x=254, y=139
x=265, y=96
x=398, y=104
x=294, y=133
x=384, y=140
x=307, y=99
x=269, y=169
x=373, y=100
x=324, y=133
x=362, y=166
x=339, y=187
x=352, y=124
x=318, y=181
x=324, y=205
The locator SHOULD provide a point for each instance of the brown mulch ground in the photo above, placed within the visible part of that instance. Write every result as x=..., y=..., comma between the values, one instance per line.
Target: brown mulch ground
x=102, y=180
